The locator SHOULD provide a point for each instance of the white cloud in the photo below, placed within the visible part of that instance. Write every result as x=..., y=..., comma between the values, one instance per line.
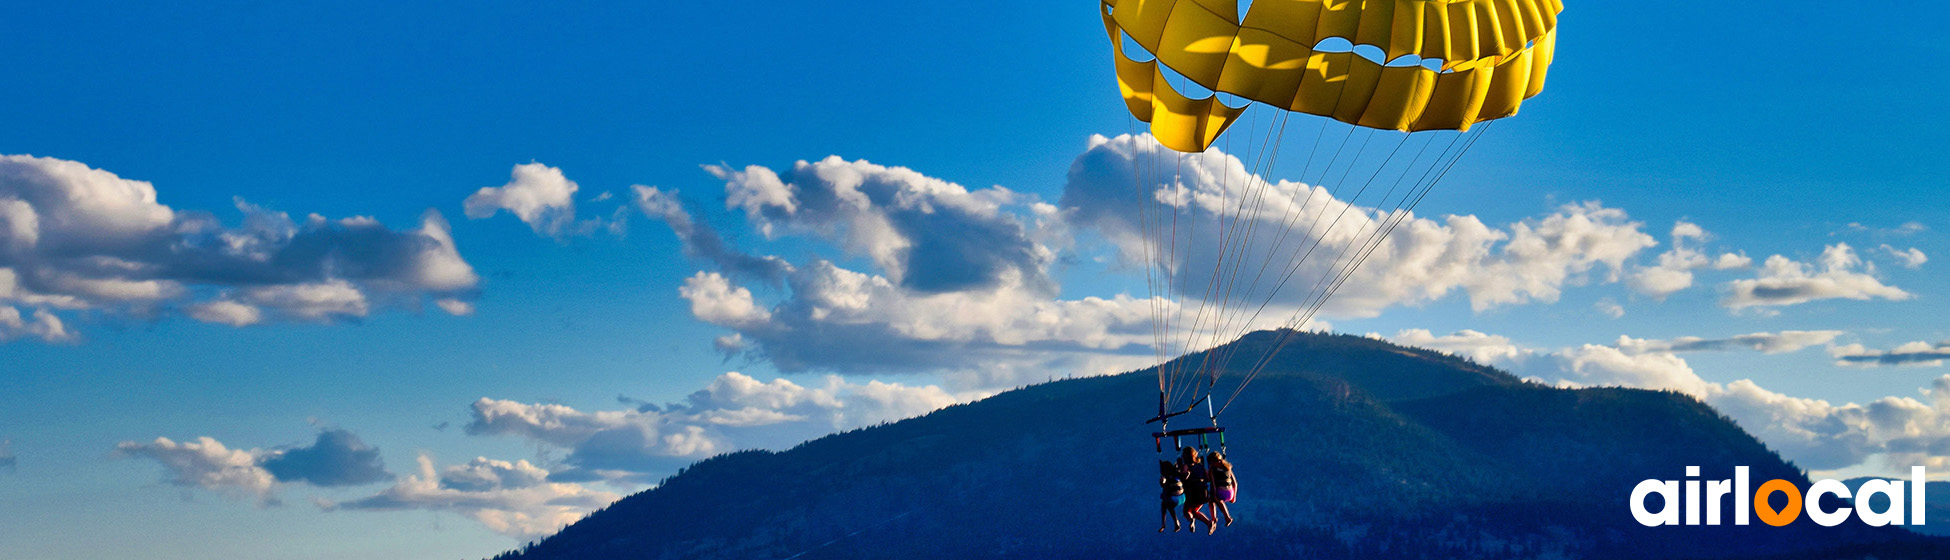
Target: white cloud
x=1423, y=260
x=1765, y=342
x=205, y=463
x=714, y=300
x=1906, y=229
x=1838, y=274
x=1911, y=258
x=1816, y=434
x=1610, y=308
x=734, y=412
x=924, y=234
x=1675, y=269
x=959, y=280
x=703, y=242
x=514, y=499
x=43, y=325
x=336, y=458
x=1908, y=354
x=76, y=238
x=538, y=194
x=226, y=313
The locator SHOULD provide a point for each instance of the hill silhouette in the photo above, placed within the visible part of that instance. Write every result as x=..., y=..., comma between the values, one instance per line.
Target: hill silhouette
x=1346, y=447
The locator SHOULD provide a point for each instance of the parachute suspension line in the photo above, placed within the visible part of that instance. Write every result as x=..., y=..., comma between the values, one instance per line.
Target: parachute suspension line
x=1400, y=214
x=1298, y=263
x=1224, y=223
x=1228, y=233
x=1144, y=226
x=1286, y=335
x=1255, y=191
x=1293, y=213
x=1240, y=323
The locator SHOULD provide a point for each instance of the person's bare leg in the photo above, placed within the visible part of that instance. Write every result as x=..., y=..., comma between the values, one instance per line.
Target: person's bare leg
x=1224, y=511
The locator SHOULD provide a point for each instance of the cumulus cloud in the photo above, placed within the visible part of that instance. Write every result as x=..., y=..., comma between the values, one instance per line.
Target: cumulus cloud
x=336, y=458
x=703, y=242
x=1838, y=274
x=1909, y=354
x=1911, y=258
x=1906, y=229
x=1816, y=434
x=541, y=196
x=957, y=281
x=514, y=499
x=924, y=233
x=206, y=463
x=1423, y=260
x=714, y=300
x=77, y=238
x=734, y=412
x=1674, y=271
x=43, y=325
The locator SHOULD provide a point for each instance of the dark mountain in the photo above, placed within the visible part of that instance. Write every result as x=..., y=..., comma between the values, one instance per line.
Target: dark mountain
x=1346, y=447
x=1937, y=512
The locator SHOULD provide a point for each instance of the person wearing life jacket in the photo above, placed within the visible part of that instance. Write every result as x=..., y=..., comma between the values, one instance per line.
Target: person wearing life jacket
x=1225, y=488
x=1198, y=489
x=1172, y=483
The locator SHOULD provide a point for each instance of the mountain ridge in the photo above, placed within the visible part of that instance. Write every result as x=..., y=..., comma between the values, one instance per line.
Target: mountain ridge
x=1347, y=447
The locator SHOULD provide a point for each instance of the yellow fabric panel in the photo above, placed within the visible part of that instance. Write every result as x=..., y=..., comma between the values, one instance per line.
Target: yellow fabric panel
x=1143, y=20
x=1377, y=25
x=1196, y=43
x=1185, y=124
x=1134, y=81
x=1509, y=25
x=1292, y=19
x=1399, y=100
x=1363, y=76
x=1489, y=29
x=1435, y=33
x=1338, y=18
x=1457, y=99
x=1217, y=120
x=1463, y=41
x=1508, y=86
x=1228, y=9
x=1545, y=50
x=1406, y=37
x=1531, y=14
x=1265, y=67
x=1320, y=85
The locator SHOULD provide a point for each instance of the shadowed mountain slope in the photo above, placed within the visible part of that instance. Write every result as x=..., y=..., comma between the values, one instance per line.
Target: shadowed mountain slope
x=1346, y=447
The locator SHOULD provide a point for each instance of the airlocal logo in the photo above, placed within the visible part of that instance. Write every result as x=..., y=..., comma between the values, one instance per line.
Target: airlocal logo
x=1744, y=496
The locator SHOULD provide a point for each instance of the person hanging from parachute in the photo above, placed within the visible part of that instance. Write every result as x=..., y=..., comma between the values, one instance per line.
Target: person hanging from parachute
x=1171, y=480
x=1393, y=69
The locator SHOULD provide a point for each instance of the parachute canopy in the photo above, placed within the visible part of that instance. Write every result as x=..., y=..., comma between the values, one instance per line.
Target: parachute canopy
x=1479, y=60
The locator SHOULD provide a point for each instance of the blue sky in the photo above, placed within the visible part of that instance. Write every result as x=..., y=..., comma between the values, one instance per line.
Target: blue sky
x=1756, y=126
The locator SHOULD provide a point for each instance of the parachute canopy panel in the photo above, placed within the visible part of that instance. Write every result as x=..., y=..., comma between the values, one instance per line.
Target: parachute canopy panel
x=1494, y=55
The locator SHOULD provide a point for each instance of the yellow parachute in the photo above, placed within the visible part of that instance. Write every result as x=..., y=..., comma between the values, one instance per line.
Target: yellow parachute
x=1493, y=55
x=1382, y=71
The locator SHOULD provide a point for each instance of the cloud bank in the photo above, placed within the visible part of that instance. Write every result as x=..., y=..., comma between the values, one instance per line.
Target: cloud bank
x=336, y=458
x=1814, y=433
x=75, y=238
x=734, y=412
